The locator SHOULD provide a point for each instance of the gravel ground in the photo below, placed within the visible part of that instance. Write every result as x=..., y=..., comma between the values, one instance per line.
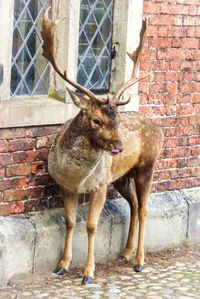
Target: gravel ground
x=173, y=273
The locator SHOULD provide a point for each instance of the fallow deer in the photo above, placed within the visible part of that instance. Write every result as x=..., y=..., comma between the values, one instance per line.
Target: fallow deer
x=98, y=147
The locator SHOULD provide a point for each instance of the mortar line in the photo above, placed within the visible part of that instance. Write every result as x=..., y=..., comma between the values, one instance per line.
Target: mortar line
x=188, y=211
x=34, y=244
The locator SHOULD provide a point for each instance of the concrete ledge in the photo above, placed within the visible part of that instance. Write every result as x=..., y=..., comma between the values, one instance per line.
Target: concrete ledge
x=34, y=242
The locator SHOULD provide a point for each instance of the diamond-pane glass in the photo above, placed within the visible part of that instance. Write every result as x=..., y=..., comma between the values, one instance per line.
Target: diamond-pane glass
x=94, y=63
x=30, y=71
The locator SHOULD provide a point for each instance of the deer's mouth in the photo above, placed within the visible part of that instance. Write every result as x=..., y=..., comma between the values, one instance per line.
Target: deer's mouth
x=116, y=148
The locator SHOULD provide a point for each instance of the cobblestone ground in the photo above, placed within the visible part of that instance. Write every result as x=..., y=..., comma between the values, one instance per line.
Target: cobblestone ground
x=168, y=274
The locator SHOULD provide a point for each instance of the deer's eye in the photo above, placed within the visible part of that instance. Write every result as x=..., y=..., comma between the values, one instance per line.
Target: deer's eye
x=97, y=122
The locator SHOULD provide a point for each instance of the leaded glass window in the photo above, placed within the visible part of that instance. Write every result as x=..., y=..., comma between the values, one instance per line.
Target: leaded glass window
x=30, y=71
x=94, y=61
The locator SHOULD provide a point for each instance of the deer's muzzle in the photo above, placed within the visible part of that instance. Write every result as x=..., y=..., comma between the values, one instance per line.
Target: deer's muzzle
x=116, y=147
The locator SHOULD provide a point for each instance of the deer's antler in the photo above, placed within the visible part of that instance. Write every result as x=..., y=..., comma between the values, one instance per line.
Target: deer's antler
x=48, y=35
x=135, y=57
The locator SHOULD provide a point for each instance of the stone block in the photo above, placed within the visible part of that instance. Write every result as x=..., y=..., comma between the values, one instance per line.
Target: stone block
x=17, y=238
x=167, y=221
x=192, y=197
x=50, y=233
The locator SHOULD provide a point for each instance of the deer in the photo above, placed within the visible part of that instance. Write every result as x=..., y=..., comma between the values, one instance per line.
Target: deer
x=98, y=147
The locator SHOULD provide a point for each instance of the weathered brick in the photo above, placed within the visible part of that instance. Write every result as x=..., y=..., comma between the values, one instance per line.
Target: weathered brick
x=13, y=183
x=17, y=207
x=38, y=168
x=21, y=144
x=23, y=194
x=3, y=146
x=18, y=170
x=2, y=171
x=4, y=209
x=6, y=159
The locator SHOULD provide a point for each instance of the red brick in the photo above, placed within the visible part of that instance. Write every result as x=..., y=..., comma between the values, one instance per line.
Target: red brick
x=186, y=87
x=184, y=98
x=3, y=146
x=18, y=170
x=2, y=171
x=194, y=140
x=176, y=31
x=195, y=172
x=38, y=168
x=161, y=19
x=171, y=76
x=197, y=78
x=23, y=194
x=152, y=31
x=188, y=130
x=174, y=65
x=173, y=9
x=185, y=76
x=195, y=98
x=185, y=109
x=176, y=42
x=4, y=209
x=160, y=42
x=190, y=43
x=171, y=142
x=6, y=159
x=193, y=161
x=21, y=144
x=30, y=156
x=194, y=119
x=159, y=76
x=191, y=21
x=163, y=31
x=17, y=207
x=191, y=32
x=151, y=9
x=157, y=88
x=13, y=183
x=167, y=164
x=172, y=87
x=197, y=109
x=12, y=133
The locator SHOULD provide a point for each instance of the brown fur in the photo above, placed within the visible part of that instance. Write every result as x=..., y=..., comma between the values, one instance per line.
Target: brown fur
x=81, y=161
x=98, y=147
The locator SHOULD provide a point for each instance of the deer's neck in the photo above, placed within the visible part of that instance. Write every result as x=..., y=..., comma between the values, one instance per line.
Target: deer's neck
x=75, y=146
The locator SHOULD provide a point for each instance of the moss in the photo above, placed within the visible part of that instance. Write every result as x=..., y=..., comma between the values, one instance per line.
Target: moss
x=57, y=95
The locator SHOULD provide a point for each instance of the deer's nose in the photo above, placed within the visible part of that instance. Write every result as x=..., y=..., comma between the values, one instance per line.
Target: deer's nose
x=117, y=147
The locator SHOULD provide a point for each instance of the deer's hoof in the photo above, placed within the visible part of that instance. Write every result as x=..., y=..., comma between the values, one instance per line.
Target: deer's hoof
x=87, y=280
x=138, y=268
x=122, y=258
x=60, y=271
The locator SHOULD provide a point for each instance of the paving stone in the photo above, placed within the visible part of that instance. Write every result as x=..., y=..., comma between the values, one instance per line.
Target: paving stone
x=147, y=284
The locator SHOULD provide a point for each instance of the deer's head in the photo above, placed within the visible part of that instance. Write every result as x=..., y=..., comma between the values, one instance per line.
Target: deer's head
x=100, y=116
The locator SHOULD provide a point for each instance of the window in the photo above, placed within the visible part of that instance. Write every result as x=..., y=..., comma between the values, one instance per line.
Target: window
x=83, y=37
x=95, y=41
x=29, y=71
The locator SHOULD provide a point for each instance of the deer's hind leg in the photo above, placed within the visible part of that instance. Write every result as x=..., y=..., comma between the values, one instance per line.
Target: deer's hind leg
x=126, y=187
x=70, y=205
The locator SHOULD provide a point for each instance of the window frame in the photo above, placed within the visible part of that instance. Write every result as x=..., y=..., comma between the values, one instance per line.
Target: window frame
x=45, y=110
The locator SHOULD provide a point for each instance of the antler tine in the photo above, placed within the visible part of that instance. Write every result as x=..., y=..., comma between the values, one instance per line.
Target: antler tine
x=48, y=36
x=135, y=56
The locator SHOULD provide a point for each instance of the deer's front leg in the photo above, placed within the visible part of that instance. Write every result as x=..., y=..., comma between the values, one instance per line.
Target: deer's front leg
x=70, y=204
x=143, y=185
x=97, y=201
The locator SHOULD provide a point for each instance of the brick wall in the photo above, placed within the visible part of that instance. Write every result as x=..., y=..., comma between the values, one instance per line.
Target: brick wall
x=24, y=181
x=172, y=97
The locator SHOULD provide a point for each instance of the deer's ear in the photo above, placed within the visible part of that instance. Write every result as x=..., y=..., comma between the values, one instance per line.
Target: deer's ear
x=78, y=100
